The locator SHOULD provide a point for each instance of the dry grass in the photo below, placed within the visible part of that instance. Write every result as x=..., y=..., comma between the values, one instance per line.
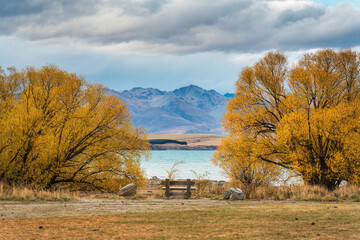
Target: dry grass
x=210, y=189
x=204, y=189
x=240, y=220
x=16, y=193
x=305, y=193
x=207, y=188
x=181, y=136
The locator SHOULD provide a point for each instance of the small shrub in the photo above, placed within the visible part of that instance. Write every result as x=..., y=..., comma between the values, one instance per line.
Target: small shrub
x=173, y=171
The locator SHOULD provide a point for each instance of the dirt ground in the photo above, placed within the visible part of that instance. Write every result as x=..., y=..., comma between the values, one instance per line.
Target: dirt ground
x=180, y=219
x=10, y=210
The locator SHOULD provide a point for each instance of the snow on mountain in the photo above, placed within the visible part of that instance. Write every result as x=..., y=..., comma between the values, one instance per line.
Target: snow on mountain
x=188, y=109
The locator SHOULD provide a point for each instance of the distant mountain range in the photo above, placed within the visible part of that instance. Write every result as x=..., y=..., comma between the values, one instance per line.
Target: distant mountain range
x=189, y=109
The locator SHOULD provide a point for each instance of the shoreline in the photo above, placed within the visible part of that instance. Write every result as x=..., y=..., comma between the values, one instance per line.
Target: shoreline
x=182, y=147
x=192, y=141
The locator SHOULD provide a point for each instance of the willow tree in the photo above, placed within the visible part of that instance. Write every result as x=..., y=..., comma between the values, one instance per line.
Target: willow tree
x=56, y=129
x=305, y=119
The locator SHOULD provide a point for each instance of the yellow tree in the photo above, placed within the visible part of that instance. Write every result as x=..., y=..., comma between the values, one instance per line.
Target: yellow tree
x=305, y=119
x=64, y=131
x=236, y=156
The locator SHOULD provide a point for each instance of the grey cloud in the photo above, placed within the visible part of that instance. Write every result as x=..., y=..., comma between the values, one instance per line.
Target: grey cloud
x=184, y=26
x=45, y=8
x=21, y=7
x=32, y=19
x=140, y=8
x=337, y=27
x=293, y=16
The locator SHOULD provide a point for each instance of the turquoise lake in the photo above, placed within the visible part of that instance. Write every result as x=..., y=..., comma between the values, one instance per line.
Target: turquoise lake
x=198, y=161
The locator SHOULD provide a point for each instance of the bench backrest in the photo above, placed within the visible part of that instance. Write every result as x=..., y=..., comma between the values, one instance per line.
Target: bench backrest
x=178, y=182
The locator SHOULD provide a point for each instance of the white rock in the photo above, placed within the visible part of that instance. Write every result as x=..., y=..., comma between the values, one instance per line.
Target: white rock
x=234, y=194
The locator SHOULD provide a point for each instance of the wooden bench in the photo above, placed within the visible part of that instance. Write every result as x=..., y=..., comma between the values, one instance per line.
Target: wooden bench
x=185, y=186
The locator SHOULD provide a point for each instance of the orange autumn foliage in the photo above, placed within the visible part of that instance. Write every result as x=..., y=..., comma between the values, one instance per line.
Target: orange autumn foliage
x=58, y=130
x=305, y=119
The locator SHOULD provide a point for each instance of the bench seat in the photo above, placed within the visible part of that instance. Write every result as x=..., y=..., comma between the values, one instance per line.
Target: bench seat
x=179, y=188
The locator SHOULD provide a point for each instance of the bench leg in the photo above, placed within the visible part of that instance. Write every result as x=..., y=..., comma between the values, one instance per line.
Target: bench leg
x=167, y=188
x=188, y=189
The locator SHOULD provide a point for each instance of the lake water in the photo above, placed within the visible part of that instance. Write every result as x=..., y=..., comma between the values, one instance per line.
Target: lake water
x=198, y=161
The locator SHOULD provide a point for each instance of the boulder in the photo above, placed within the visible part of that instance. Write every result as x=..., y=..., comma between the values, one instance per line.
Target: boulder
x=128, y=190
x=234, y=194
x=221, y=183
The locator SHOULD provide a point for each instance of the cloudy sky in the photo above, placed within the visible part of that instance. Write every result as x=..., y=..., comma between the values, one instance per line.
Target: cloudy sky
x=168, y=44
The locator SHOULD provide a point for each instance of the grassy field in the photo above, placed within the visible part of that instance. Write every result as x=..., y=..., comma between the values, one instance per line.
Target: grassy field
x=230, y=220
